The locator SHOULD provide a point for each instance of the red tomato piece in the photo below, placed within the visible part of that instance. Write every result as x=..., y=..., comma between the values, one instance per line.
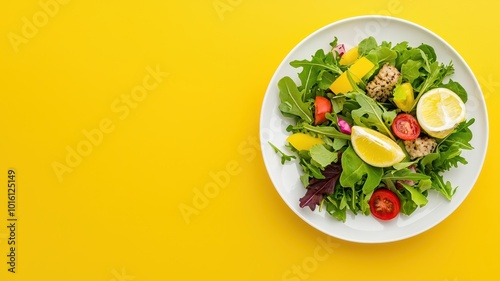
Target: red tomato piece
x=384, y=204
x=322, y=106
x=406, y=127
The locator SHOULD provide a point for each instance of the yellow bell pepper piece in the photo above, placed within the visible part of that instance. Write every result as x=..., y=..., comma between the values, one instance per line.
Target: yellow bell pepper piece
x=404, y=98
x=301, y=141
x=349, y=57
x=359, y=69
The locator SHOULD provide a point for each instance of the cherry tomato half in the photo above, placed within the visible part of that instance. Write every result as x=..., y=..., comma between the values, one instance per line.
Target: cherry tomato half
x=322, y=106
x=406, y=127
x=384, y=204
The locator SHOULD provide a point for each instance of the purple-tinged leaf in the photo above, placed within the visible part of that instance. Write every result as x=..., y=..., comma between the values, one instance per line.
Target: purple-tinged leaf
x=319, y=188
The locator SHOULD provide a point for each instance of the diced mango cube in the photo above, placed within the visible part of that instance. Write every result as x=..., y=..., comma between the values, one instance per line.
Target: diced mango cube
x=349, y=57
x=359, y=69
x=301, y=141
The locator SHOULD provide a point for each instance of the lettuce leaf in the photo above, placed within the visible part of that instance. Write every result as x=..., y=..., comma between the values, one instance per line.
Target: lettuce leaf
x=322, y=156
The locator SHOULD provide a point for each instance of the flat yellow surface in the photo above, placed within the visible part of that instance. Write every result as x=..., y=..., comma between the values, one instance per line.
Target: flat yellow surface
x=115, y=115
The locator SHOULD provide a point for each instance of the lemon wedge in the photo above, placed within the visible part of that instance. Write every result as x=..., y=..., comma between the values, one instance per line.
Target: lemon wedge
x=375, y=148
x=439, y=111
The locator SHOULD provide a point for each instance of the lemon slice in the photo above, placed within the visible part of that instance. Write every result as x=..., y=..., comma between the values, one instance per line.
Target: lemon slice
x=439, y=111
x=375, y=148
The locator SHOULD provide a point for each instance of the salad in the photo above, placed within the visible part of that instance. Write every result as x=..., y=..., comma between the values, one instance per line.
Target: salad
x=374, y=128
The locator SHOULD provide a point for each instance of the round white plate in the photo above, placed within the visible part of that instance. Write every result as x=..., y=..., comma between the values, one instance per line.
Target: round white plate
x=360, y=228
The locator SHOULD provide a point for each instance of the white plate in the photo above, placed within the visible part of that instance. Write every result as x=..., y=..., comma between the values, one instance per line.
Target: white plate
x=366, y=229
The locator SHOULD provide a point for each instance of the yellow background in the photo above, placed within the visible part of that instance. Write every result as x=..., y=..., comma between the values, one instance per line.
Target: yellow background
x=115, y=214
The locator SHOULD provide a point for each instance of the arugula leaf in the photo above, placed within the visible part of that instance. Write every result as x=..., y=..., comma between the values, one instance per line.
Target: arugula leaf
x=366, y=45
x=461, y=136
x=308, y=76
x=408, y=207
x=424, y=185
x=428, y=51
x=402, y=165
x=430, y=79
x=356, y=170
x=386, y=44
x=434, y=78
x=338, y=103
x=371, y=114
x=400, y=47
x=388, y=117
x=309, y=73
x=457, y=89
x=426, y=161
x=321, y=61
x=410, y=70
x=336, y=143
x=334, y=43
x=355, y=88
x=364, y=206
x=284, y=157
x=385, y=54
x=308, y=168
x=328, y=131
x=408, y=54
x=407, y=204
x=444, y=188
x=317, y=74
x=337, y=204
x=291, y=100
x=325, y=79
x=404, y=174
x=304, y=178
x=416, y=196
x=448, y=152
x=373, y=57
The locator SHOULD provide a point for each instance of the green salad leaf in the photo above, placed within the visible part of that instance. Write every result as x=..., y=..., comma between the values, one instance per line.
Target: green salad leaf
x=284, y=157
x=291, y=100
x=328, y=131
x=322, y=156
x=356, y=171
x=457, y=89
x=418, y=198
x=410, y=70
x=366, y=45
x=319, y=61
x=372, y=115
x=404, y=174
x=448, y=152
